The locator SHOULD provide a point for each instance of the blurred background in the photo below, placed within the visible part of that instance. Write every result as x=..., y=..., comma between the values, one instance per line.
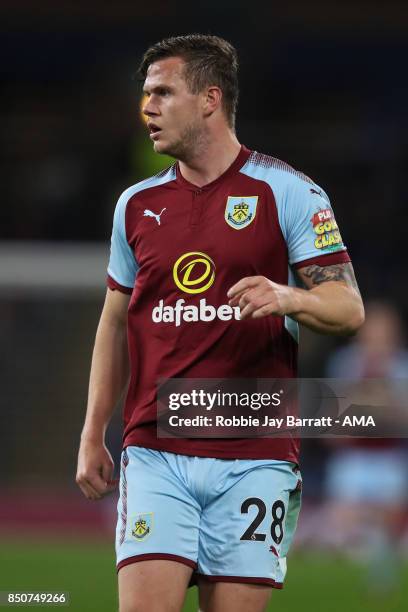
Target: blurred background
x=323, y=87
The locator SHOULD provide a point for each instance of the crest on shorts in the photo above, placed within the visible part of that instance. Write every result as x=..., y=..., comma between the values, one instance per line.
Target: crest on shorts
x=240, y=211
x=142, y=525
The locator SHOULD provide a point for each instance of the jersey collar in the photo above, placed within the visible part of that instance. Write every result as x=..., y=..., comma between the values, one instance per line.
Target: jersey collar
x=233, y=169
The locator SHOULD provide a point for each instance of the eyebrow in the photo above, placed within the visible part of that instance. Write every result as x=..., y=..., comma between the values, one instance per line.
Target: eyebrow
x=156, y=88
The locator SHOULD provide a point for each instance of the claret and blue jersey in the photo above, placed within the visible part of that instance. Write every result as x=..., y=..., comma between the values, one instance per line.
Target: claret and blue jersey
x=177, y=249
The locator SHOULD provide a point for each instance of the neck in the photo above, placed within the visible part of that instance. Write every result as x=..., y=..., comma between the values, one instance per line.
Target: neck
x=211, y=159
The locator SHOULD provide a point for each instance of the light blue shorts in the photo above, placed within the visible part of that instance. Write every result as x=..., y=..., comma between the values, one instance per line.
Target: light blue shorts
x=229, y=520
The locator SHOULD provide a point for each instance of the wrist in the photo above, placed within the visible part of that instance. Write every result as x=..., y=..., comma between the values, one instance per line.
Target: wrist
x=93, y=433
x=295, y=301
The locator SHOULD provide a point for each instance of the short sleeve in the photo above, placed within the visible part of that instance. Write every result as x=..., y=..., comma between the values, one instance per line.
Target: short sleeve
x=122, y=268
x=309, y=226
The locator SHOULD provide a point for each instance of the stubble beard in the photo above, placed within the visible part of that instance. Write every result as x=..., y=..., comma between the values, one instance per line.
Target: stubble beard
x=190, y=144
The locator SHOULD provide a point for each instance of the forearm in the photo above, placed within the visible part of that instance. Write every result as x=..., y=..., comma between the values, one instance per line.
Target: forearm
x=109, y=375
x=330, y=308
x=326, y=306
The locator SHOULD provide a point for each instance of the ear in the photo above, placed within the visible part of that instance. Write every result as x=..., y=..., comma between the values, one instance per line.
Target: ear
x=212, y=100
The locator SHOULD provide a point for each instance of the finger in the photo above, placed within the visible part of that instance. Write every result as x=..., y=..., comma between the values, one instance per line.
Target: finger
x=96, y=483
x=257, y=297
x=104, y=485
x=111, y=486
x=85, y=485
x=243, y=297
x=243, y=285
x=107, y=475
x=235, y=300
x=102, y=489
x=256, y=302
x=107, y=471
x=264, y=311
x=246, y=312
x=88, y=490
x=245, y=300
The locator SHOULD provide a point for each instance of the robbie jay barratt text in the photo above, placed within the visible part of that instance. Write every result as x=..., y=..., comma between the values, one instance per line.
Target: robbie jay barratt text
x=289, y=421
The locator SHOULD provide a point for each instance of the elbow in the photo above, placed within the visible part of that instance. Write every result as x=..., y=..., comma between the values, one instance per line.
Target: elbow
x=355, y=321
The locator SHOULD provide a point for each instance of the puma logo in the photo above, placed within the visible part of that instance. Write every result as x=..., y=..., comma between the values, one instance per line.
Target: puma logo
x=149, y=213
x=319, y=193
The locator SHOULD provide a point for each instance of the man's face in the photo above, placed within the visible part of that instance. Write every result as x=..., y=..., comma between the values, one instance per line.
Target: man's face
x=174, y=115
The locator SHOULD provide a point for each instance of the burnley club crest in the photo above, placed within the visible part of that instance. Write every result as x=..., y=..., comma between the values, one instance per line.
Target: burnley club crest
x=142, y=526
x=240, y=211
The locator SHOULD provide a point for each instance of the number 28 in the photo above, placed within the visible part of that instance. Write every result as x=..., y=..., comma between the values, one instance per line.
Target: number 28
x=278, y=514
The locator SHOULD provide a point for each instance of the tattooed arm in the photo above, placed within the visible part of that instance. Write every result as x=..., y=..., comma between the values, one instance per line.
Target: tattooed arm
x=312, y=276
x=331, y=304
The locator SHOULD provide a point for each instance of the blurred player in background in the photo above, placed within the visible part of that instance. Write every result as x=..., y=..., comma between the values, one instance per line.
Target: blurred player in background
x=205, y=258
x=367, y=478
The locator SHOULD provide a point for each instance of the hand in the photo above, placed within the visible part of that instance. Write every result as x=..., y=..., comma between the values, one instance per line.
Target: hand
x=95, y=470
x=258, y=297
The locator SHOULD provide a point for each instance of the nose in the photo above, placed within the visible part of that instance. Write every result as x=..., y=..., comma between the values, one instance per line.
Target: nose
x=148, y=107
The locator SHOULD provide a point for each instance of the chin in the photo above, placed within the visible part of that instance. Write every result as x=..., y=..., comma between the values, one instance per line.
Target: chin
x=161, y=148
x=173, y=149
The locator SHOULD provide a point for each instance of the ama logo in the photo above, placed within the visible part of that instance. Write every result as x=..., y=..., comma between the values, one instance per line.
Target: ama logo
x=193, y=273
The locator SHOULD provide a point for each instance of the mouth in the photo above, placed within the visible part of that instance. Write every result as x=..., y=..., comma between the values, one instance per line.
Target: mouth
x=154, y=131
